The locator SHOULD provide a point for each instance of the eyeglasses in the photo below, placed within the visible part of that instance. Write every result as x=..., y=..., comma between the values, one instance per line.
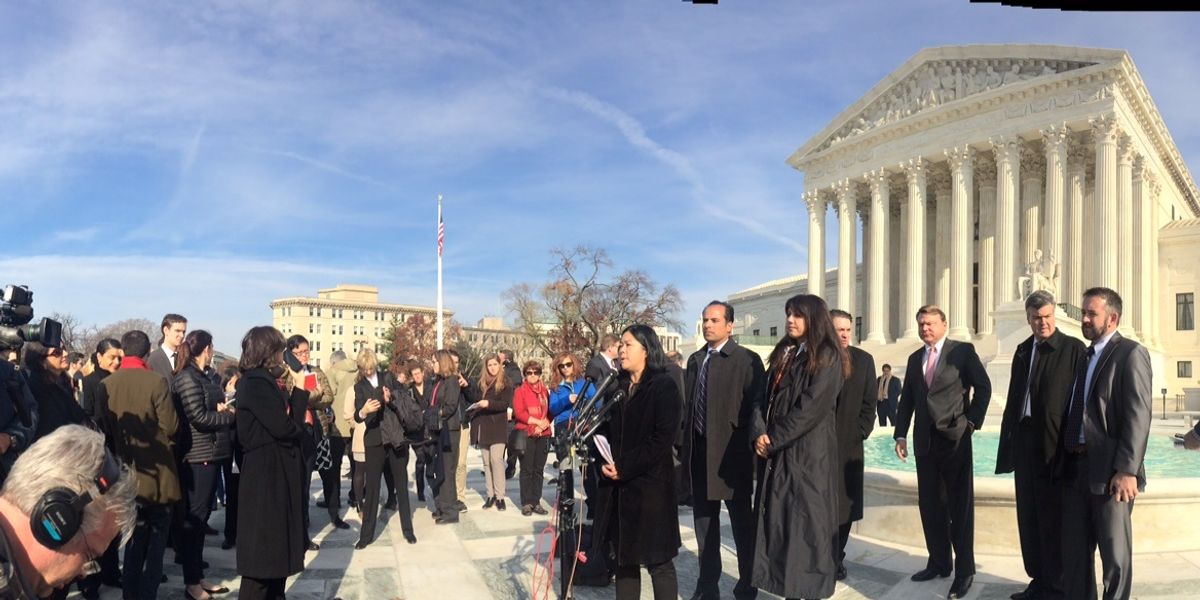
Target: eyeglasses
x=92, y=565
x=531, y=372
x=566, y=365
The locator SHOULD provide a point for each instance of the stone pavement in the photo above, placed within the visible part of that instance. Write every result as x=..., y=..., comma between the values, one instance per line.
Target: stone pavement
x=490, y=554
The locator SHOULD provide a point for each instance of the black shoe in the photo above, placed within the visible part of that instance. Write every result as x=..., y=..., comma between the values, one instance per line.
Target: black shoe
x=460, y=506
x=410, y=538
x=352, y=503
x=1029, y=593
x=322, y=504
x=927, y=574
x=490, y=501
x=553, y=481
x=500, y=505
x=211, y=531
x=163, y=580
x=390, y=504
x=340, y=524
x=841, y=572
x=960, y=587
x=445, y=520
x=510, y=471
x=537, y=508
x=313, y=546
x=420, y=496
x=225, y=545
x=359, y=545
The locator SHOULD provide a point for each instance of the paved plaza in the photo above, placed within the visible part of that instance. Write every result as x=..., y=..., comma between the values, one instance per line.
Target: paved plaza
x=490, y=554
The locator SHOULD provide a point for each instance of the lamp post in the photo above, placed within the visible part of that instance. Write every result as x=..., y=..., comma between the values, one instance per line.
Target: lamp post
x=1164, y=396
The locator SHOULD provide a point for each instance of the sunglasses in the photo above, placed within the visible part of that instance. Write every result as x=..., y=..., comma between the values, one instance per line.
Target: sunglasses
x=566, y=365
x=538, y=372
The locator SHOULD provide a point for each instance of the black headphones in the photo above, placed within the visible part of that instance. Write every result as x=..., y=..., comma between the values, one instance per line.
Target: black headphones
x=59, y=514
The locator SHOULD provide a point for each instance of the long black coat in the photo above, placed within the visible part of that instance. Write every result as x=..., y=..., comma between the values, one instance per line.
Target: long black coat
x=56, y=404
x=736, y=384
x=271, y=536
x=855, y=420
x=1049, y=397
x=639, y=513
x=795, y=511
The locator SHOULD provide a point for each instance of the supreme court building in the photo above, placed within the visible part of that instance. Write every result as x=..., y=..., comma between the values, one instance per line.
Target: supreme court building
x=976, y=174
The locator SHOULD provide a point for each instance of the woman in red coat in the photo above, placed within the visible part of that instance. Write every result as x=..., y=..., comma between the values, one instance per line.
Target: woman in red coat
x=531, y=411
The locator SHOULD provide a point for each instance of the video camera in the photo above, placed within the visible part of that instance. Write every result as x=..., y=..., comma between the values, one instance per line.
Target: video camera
x=16, y=311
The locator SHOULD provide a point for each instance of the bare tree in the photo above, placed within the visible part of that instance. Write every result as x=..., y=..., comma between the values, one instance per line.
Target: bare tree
x=93, y=335
x=73, y=332
x=579, y=304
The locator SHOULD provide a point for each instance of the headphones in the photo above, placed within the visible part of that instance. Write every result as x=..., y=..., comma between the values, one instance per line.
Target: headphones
x=58, y=516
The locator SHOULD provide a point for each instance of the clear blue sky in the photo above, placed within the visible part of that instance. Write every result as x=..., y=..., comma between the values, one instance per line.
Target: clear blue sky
x=205, y=158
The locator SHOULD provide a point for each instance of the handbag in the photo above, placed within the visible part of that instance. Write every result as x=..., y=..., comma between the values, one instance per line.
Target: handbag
x=324, y=456
x=519, y=442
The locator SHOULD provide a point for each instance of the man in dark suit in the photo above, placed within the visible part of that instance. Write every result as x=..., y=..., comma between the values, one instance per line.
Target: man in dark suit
x=936, y=400
x=162, y=359
x=138, y=408
x=1103, y=444
x=724, y=382
x=1042, y=373
x=605, y=361
x=888, y=395
x=855, y=418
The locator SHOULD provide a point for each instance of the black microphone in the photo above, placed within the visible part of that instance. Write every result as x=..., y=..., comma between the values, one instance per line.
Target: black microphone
x=602, y=415
x=601, y=388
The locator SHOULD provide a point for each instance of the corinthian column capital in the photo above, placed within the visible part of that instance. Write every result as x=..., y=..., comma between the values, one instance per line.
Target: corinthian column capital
x=878, y=179
x=1055, y=137
x=960, y=157
x=1124, y=149
x=1105, y=128
x=915, y=169
x=1007, y=148
x=985, y=170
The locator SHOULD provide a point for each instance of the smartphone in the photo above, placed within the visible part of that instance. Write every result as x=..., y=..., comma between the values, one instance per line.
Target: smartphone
x=291, y=361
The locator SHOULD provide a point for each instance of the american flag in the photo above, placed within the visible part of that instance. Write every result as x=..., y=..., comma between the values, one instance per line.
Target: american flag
x=441, y=235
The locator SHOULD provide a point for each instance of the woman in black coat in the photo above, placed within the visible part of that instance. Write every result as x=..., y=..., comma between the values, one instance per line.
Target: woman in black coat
x=384, y=443
x=637, y=504
x=794, y=433
x=445, y=418
x=52, y=389
x=105, y=361
x=271, y=538
x=489, y=428
x=204, y=430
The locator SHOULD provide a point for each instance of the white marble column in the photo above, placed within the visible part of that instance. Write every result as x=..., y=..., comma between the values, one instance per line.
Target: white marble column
x=942, y=246
x=1071, y=280
x=985, y=171
x=1032, y=170
x=897, y=270
x=846, y=190
x=1125, y=223
x=1008, y=174
x=816, y=242
x=1153, y=186
x=1054, y=140
x=1141, y=293
x=962, y=241
x=878, y=293
x=915, y=170
x=1104, y=131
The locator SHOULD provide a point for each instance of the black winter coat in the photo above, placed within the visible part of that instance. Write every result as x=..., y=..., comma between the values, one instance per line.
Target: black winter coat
x=89, y=398
x=1050, y=396
x=271, y=537
x=795, y=511
x=855, y=420
x=363, y=393
x=204, y=433
x=56, y=405
x=490, y=425
x=448, y=402
x=639, y=513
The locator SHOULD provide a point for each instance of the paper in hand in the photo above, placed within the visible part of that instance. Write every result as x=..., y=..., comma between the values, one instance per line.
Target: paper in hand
x=604, y=447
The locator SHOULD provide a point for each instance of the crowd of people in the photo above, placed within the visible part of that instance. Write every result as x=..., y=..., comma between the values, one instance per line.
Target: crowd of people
x=780, y=445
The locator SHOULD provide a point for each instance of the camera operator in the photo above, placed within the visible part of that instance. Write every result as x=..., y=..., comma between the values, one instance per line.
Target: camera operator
x=18, y=416
x=67, y=499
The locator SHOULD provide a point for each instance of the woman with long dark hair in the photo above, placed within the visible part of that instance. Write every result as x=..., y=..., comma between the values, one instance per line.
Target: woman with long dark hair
x=638, y=512
x=205, y=421
x=271, y=539
x=384, y=445
x=490, y=428
x=51, y=387
x=446, y=419
x=795, y=439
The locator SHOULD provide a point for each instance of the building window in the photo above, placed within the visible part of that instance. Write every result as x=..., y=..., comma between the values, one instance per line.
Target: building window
x=316, y=346
x=756, y=332
x=1185, y=312
x=317, y=363
x=311, y=328
x=774, y=332
x=1183, y=369
x=311, y=311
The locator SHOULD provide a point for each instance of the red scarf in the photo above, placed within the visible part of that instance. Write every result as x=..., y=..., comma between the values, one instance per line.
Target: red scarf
x=133, y=362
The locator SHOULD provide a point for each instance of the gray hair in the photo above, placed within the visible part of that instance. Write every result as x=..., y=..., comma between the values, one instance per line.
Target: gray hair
x=337, y=357
x=1039, y=300
x=70, y=457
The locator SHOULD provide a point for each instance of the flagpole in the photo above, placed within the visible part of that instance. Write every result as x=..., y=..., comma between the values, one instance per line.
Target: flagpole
x=440, y=342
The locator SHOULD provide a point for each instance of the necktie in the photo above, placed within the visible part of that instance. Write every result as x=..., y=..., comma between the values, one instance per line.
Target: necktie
x=931, y=366
x=1037, y=355
x=702, y=394
x=1074, y=428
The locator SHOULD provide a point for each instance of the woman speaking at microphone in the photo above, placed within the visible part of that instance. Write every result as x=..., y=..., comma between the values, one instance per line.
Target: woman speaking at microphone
x=637, y=508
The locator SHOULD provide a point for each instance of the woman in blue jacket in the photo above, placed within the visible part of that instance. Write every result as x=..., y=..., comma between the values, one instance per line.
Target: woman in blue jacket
x=566, y=381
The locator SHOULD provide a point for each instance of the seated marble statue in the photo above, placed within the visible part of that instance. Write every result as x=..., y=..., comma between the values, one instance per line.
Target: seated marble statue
x=1040, y=275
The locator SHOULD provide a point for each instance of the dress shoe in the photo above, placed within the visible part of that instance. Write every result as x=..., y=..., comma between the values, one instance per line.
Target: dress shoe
x=220, y=589
x=490, y=501
x=841, y=572
x=446, y=520
x=537, y=508
x=390, y=504
x=927, y=574
x=1029, y=593
x=500, y=505
x=313, y=546
x=960, y=587
x=360, y=545
x=460, y=506
x=340, y=524
x=226, y=545
x=410, y=538
x=553, y=481
x=322, y=504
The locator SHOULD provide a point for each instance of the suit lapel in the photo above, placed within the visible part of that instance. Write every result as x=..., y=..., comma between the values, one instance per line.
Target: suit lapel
x=947, y=348
x=1105, y=357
